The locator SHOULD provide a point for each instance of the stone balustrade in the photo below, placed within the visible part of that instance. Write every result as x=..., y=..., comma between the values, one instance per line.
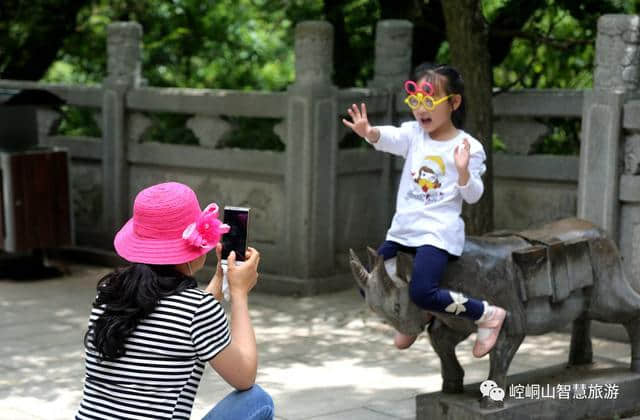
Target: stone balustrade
x=314, y=200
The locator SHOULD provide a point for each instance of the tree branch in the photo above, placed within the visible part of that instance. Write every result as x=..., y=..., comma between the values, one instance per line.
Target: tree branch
x=47, y=26
x=510, y=17
x=563, y=44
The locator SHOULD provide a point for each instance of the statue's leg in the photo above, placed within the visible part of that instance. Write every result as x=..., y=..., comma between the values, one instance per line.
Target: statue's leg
x=580, y=352
x=633, y=329
x=444, y=341
x=501, y=356
x=499, y=361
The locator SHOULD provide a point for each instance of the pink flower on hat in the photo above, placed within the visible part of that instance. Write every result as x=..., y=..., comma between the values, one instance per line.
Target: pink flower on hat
x=207, y=230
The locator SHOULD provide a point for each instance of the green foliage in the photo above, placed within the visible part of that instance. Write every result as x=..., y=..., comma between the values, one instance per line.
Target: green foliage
x=239, y=44
x=554, y=49
x=78, y=121
x=222, y=44
x=257, y=132
x=246, y=133
x=497, y=144
x=443, y=53
x=169, y=128
x=248, y=45
x=83, y=58
x=31, y=34
x=556, y=46
x=563, y=139
x=355, y=50
x=490, y=8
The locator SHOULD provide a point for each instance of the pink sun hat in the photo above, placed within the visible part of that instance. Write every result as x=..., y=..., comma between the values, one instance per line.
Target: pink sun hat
x=168, y=227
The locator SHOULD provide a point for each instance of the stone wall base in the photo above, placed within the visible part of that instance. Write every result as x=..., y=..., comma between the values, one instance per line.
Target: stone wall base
x=466, y=406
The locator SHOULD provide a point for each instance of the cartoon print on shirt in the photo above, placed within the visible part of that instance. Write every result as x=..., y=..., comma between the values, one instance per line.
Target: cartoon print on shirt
x=427, y=179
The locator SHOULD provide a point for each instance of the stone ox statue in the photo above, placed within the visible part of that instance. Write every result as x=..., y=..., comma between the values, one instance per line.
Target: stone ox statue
x=565, y=271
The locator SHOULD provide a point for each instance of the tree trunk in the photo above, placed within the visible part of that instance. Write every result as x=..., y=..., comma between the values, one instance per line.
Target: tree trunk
x=467, y=32
x=345, y=69
x=428, y=25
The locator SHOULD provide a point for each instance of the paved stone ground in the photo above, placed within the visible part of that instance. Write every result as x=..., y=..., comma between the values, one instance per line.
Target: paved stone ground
x=322, y=358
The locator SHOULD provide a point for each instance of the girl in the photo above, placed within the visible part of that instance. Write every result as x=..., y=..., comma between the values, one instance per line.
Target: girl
x=443, y=166
x=152, y=331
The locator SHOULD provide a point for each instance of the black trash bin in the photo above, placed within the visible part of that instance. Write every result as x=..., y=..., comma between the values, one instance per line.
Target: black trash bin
x=34, y=181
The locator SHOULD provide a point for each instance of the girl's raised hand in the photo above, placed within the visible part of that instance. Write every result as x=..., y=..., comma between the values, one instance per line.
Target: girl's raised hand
x=360, y=124
x=461, y=155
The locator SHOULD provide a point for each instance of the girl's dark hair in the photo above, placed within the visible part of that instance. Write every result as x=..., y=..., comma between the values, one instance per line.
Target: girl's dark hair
x=436, y=74
x=126, y=296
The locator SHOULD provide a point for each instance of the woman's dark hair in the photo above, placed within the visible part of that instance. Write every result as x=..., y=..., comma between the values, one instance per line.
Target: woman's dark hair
x=453, y=84
x=126, y=296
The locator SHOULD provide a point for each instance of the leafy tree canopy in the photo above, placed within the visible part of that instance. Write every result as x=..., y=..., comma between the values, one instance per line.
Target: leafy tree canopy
x=239, y=44
x=247, y=44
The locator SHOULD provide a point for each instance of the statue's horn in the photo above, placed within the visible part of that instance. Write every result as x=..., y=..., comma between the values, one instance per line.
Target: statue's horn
x=376, y=261
x=372, y=257
x=379, y=272
x=360, y=274
x=404, y=266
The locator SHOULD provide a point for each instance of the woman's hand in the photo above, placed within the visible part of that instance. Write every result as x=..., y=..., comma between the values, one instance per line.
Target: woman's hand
x=243, y=277
x=461, y=156
x=360, y=124
x=215, y=284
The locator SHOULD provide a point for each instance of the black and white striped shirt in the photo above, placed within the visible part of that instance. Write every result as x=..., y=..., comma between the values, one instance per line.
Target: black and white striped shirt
x=164, y=359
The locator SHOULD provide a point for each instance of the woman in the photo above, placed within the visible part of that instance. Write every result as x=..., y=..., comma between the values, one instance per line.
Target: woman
x=152, y=331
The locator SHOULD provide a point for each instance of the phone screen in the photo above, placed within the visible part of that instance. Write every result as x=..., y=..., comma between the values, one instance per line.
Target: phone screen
x=236, y=239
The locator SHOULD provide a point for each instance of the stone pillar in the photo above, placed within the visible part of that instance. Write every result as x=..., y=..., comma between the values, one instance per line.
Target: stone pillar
x=617, y=53
x=312, y=144
x=123, y=73
x=393, y=54
x=609, y=184
x=630, y=181
x=615, y=78
x=392, y=67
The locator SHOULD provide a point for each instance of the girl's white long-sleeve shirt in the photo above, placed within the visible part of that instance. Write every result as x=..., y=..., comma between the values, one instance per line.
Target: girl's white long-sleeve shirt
x=429, y=201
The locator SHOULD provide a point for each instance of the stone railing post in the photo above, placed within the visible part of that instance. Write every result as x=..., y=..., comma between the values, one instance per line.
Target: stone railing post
x=312, y=144
x=393, y=54
x=630, y=193
x=626, y=30
x=614, y=79
x=392, y=67
x=123, y=73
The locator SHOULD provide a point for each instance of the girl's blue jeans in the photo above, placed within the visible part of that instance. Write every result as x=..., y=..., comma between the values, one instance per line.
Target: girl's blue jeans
x=429, y=264
x=252, y=404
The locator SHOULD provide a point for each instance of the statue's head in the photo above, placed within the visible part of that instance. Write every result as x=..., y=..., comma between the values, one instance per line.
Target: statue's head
x=387, y=297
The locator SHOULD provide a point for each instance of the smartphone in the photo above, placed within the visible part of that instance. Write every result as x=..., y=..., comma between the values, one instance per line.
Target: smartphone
x=236, y=239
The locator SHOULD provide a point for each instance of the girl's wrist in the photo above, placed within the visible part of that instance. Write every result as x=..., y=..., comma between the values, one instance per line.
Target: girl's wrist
x=463, y=176
x=372, y=135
